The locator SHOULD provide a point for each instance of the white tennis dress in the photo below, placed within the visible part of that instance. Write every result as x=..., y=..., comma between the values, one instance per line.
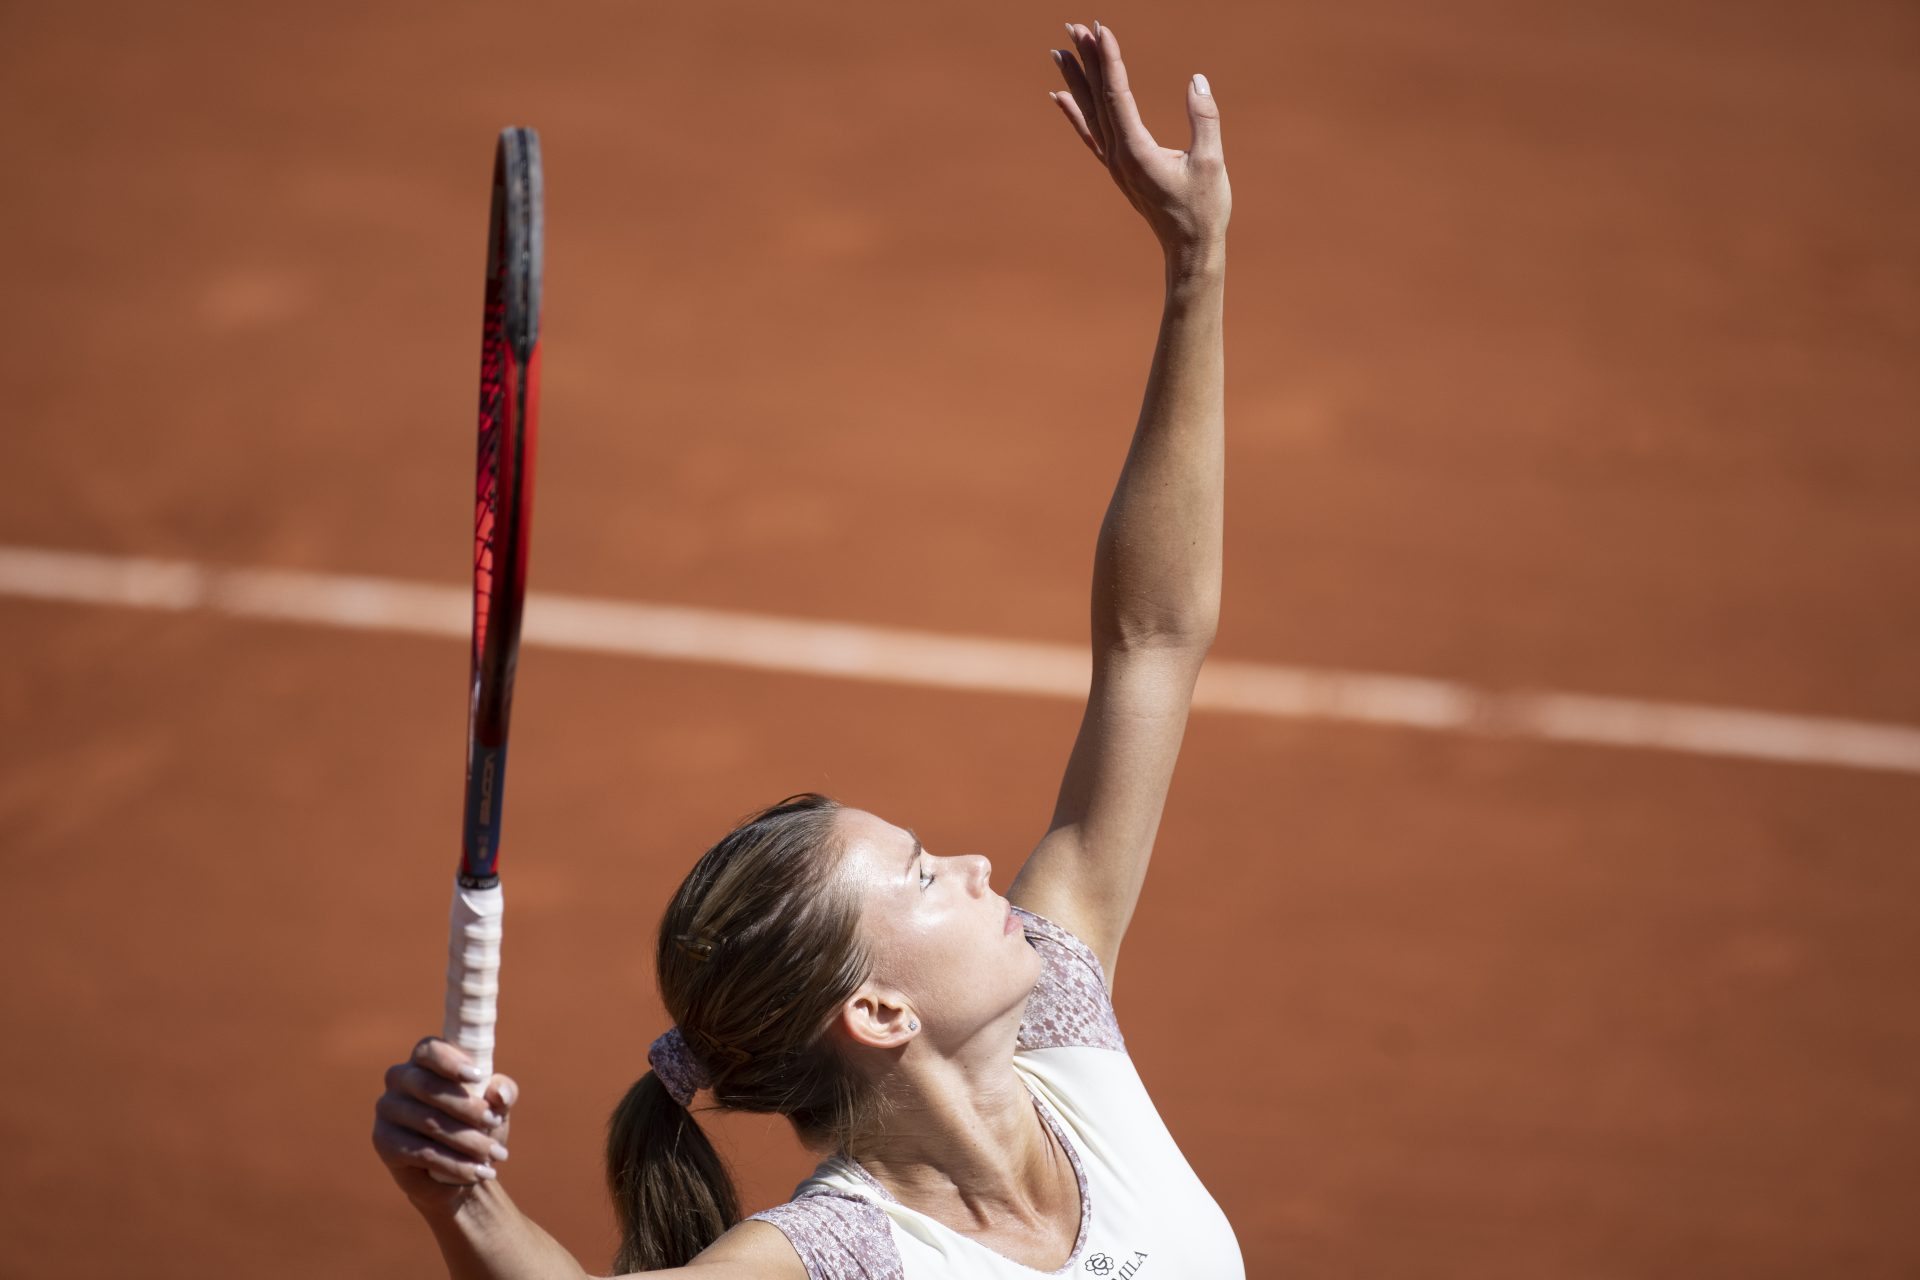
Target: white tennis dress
x=1143, y=1213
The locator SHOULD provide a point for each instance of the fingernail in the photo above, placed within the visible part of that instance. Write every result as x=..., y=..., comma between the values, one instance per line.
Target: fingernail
x=486, y=1171
x=1071, y=35
x=1200, y=84
x=471, y=1075
x=1096, y=28
x=499, y=1152
x=493, y=1121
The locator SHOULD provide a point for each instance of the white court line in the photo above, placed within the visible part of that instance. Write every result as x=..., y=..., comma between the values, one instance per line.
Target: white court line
x=859, y=652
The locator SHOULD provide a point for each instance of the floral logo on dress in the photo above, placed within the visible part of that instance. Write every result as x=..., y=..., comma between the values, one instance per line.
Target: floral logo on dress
x=1100, y=1264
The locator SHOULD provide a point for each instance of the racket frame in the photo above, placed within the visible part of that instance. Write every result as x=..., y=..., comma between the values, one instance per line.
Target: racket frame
x=503, y=513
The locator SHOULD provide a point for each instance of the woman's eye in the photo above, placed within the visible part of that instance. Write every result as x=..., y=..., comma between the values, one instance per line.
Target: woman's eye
x=925, y=878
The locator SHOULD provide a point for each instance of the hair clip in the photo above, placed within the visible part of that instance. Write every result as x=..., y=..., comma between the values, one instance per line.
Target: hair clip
x=698, y=946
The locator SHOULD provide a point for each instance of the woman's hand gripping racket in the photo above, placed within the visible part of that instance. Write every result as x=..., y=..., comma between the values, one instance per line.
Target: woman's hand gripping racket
x=502, y=516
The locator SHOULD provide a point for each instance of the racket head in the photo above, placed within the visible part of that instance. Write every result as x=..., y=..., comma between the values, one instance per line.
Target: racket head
x=503, y=483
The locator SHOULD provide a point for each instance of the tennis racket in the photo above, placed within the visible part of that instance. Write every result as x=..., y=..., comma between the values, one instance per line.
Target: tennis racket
x=502, y=514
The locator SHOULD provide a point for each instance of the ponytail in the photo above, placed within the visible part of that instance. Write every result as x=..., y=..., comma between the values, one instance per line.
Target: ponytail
x=756, y=953
x=671, y=1191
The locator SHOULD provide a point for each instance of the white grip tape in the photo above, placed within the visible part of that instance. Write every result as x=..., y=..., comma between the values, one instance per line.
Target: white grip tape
x=473, y=975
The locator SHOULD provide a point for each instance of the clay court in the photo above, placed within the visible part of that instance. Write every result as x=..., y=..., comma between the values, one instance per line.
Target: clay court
x=1569, y=352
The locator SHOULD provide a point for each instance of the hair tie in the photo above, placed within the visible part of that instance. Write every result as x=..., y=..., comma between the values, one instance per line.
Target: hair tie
x=678, y=1067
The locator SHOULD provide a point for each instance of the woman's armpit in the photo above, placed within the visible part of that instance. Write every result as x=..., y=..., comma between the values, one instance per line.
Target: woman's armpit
x=1070, y=1005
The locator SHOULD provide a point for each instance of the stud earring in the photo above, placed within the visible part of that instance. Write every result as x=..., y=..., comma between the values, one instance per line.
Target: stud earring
x=913, y=1026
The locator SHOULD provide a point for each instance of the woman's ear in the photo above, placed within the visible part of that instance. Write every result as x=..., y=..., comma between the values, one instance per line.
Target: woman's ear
x=877, y=1018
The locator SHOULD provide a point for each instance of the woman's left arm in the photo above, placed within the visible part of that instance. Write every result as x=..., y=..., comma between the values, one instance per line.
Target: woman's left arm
x=1156, y=587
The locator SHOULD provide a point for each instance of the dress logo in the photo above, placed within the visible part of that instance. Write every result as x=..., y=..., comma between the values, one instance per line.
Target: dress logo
x=1102, y=1264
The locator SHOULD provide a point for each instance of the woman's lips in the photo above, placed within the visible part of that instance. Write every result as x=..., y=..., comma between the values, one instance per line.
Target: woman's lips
x=1013, y=922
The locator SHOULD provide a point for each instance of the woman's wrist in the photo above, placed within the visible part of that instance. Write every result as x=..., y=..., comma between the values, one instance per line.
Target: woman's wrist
x=469, y=1220
x=1197, y=260
x=486, y=1237
x=1196, y=277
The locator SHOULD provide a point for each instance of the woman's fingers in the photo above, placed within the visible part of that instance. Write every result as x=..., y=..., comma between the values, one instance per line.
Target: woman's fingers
x=437, y=1091
x=1081, y=89
x=1079, y=96
x=1183, y=195
x=428, y=1128
x=1203, y=114
x=502, y=1092
x=1071, y=109
x=1092, y=108
x=404, y=1148
x=445, y=1059
x=1124, y=127
x=416, y=1117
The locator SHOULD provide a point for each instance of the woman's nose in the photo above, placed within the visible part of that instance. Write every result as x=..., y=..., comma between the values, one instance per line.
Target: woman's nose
x=986, y=872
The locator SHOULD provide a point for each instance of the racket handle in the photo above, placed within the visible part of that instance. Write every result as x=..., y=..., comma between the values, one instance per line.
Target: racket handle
x=473, y=978
x=473, y=975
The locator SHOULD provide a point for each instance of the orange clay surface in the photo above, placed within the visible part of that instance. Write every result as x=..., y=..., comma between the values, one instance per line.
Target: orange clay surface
x=1567, y=347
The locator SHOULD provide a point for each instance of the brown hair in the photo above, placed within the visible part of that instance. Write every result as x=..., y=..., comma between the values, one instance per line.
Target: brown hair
x=757, y=952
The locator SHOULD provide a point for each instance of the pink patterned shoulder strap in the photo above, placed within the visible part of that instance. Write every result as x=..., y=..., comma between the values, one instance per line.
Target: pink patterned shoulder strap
x=838, y=1237
x=1069, y=1005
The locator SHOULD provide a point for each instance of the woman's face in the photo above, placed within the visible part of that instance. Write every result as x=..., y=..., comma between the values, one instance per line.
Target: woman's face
x=946, y=948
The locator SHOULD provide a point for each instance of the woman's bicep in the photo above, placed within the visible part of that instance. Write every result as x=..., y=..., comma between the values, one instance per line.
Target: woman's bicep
x=1087, y=871
x=748, y=1250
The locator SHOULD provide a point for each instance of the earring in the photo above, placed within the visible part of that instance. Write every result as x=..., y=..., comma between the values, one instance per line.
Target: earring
x=913, y=1026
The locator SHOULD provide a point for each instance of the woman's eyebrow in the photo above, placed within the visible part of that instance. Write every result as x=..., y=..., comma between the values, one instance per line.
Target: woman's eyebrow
x=915, y=856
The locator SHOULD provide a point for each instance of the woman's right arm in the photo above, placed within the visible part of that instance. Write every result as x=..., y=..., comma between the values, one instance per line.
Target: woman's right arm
x=426, y=1122
x=439, y=1144
x=497, y=1241
x=488, y=1238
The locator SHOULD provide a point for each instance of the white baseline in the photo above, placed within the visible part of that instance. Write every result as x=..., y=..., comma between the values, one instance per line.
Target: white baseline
x=857, y=652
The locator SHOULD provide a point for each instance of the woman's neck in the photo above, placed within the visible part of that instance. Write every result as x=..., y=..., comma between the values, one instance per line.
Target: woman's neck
x=967, y=1145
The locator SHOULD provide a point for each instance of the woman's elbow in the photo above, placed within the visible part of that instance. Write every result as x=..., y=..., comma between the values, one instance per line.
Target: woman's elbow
x=1185, y=630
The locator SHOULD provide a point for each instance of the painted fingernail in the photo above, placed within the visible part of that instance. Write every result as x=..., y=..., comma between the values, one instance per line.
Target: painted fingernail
x=486, y=1171
x=493, y=1120
x=1200, y=84
x=1072, y=34
x=499, y=1152
x=471, y=1075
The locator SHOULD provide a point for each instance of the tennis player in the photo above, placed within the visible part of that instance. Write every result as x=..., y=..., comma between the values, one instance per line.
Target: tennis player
x=951, y=1055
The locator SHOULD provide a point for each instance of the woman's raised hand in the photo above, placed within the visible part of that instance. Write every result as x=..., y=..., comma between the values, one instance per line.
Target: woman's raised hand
x=1183, y=195
x=427, y=1124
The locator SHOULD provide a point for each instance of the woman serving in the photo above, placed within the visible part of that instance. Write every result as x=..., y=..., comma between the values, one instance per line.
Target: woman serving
x=951, y=1055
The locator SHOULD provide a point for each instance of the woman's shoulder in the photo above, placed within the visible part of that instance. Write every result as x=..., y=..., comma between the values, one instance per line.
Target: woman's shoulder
x=748, y=1250
x=835, y=1235
x=1070, y=1005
